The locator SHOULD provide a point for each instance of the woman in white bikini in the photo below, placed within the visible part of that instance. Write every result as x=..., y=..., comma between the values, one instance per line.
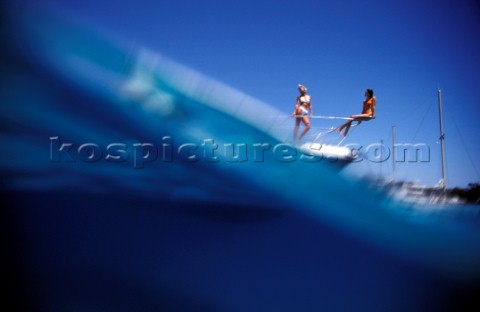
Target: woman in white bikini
x=303, y=109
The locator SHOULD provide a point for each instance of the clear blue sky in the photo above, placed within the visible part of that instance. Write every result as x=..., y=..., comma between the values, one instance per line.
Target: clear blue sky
x=404, y=50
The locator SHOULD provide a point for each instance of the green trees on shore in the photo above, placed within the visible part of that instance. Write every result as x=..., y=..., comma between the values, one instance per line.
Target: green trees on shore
x=470, y=194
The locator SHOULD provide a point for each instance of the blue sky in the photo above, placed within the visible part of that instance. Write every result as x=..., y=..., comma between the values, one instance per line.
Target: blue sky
x=404, y=50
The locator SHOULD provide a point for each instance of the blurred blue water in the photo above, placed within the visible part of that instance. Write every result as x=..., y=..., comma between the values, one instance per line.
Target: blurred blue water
x=192, y=236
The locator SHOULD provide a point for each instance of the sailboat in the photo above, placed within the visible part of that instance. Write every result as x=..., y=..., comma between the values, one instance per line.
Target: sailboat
x=321, y=148
x=420, y=194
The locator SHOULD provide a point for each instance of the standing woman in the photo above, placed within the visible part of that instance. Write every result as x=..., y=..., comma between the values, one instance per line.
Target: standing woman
x=303, y=109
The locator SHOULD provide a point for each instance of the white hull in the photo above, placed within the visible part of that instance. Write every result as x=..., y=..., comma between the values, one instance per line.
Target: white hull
x=332, y=153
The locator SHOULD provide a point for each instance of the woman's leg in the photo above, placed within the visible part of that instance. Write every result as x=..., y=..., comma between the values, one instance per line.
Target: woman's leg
x=347, y=127
x=347, y=124
x=295, y=129
x=307, y=127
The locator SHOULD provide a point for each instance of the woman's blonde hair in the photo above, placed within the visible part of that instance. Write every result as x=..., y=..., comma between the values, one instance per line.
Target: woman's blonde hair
x=300, y=86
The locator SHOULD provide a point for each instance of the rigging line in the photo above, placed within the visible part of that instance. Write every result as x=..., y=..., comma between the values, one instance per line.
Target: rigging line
x=314, y=128
x=323, y=133
x=288, y=137
x=463, y=142
x=283, y=121
x=273, y=124
x=324, y=117
x=351, y=131
x=423, y=120
x=332, y=117
x=341, y=141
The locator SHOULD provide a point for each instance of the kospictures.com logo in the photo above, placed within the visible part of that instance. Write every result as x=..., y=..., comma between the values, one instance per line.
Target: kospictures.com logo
x=209, y=151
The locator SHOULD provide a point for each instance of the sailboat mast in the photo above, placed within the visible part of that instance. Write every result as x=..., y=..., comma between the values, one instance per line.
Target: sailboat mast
x=442, y=139
x=393, y=153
